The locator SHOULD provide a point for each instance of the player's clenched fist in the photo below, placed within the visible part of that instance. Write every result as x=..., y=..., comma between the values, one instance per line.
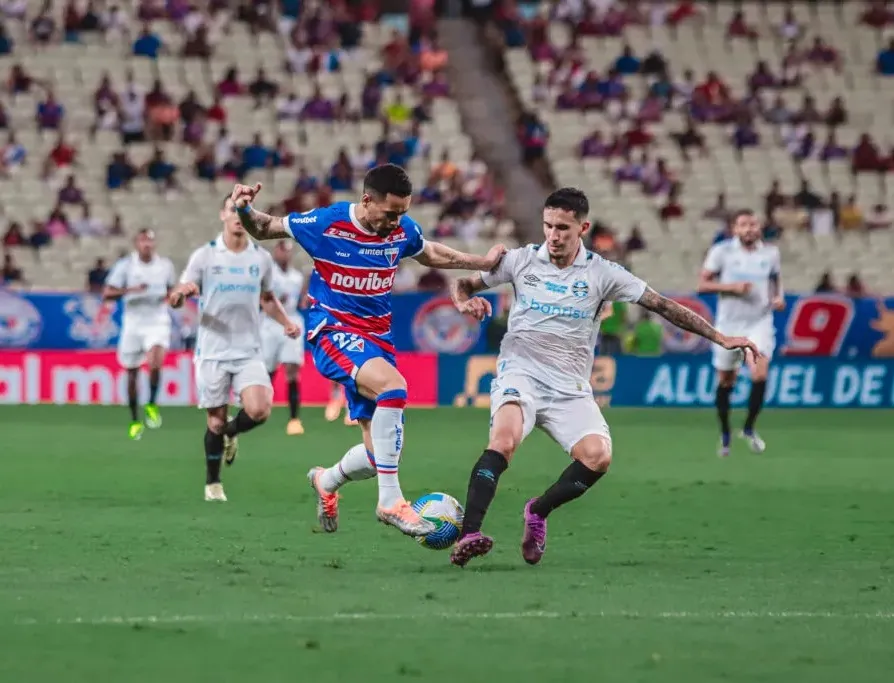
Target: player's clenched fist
x=494, y=256
x=292, y=330
x=478, y=307
x=243, y=195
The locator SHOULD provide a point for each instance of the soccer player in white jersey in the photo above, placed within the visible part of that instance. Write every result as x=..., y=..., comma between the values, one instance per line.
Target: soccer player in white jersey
x=143, y=280
x=745, y=274
x=289, y=287
x=234, y=277
x=543, y=372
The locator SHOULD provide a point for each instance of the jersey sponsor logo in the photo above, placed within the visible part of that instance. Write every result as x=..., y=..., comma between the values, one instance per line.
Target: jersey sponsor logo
x=236, y=287
x=20, y=321
x=348, y=231
x=237, y=270
x=304, y=219
x=553, y=310
x=345, y=254
x=439, y=328
x=509, y=391
x=370, y=281
x=580, y=288
x=217, y=270
x=556, y=289
x=91, y=320
x=531, y=280
x=390, y=253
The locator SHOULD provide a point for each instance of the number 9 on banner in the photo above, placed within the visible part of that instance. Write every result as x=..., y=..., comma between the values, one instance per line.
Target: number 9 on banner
x=818, y=325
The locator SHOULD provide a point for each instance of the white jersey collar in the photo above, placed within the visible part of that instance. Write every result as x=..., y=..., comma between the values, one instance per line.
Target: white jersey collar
x=738, y=244
x=356, y=223
x=135, y=258
x=579, y=260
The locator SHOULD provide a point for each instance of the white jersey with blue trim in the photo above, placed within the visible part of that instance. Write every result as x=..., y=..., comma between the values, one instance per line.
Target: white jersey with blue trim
x=231, y=284
x=149, y=307
x=554, y=321
x=287, y=286
x=731, y=262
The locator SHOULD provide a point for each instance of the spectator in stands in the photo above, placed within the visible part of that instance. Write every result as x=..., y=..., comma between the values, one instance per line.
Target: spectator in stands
x=318, y=108
x=70, y=193
x=595, y=147
x=147, y=44
x=437, y=85
x=808, y=112
x=197, y=45
x=866, y=157
x=831, y=149
x=792, y=68
x=432, y=57
x=720, y=211
x=851, y=215
x=778, y=113
x=7, y=44
x=14, y=236
x=672, y=209
x=96, y=276
x=11, y=274
x=821, y=54
x=854, y=287
x=230, y=86
x=683, y=11
x=57, y=224
x=835, y=208
x=88, y=225
x=635, y=241
x=690, y=137
x=630, y=171
x=12, y=156
x=533, y=135
x=654, y=64
x=645, y=339
x=91, y=21
x=43, y=26
x=432, y=281
x=61, y=157
x=825, y=285
x=738, y=27
x=131, y=117
x=884, y=63
x=745, y=135
x=762, y=78
x=657, y=178
x=106, y=104
x=50, y=113
x=791, y=217
x=807, y=198
x=877, y=15
x=289, y=108
x=20, y=81
x=879, y=218
x=262, y=89
x=341, y=175
x=773, y=199
x=256, y=155
x=612, y=330
x=790, y=28
x=803, y=147
x=159, y=170
x=836, y=114
x=120, y=172
x=627, y=64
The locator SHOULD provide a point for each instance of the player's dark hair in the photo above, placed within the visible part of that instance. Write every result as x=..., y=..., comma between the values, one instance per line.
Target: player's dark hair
x=387, y=179
x=738, y=214
x=569, y=199
x=223, y=204
x=148, y=232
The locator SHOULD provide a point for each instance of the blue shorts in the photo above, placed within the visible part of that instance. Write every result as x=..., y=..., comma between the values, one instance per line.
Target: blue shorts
x=338, y=357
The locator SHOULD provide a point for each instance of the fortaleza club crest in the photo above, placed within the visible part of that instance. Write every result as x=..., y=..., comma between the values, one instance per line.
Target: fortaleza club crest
x=439, y=328
x=391, y=254
x=20, y=321
x=91, y=320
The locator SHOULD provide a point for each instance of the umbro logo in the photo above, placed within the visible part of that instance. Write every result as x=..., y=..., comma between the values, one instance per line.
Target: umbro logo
x=531, y=280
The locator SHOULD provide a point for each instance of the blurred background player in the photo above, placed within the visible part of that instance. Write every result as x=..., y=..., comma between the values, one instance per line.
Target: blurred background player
x=234, y=277
x=288, y=287
x=356, y=248
x=143, y=280
x=543, y=371
x=745, y=274
x=337, y=401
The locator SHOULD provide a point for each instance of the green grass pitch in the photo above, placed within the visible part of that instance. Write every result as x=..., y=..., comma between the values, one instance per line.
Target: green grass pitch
x=677, y=567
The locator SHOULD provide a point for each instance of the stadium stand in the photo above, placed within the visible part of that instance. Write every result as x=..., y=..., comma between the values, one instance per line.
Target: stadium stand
x=672, y=114
x=144, y=113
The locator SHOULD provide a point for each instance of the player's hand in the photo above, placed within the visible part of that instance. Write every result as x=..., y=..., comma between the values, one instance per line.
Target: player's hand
x=478, y=307
x=176, y=298
x=292, y=331
x=741, y=288
x=493, y=257
x=748, y=347
x=243, y=195
x=142, y=287
x=778, y=303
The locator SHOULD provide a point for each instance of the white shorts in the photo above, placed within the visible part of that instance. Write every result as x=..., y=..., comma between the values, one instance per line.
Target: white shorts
x=134, y=343
x=566, y=418
x=216, y=378
x=763, y=334
x=279, y=349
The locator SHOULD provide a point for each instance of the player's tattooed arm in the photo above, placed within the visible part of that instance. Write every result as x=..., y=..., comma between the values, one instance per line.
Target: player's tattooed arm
x=463, y=291
x=691, y=321
x=436, y=255
x=260, y=225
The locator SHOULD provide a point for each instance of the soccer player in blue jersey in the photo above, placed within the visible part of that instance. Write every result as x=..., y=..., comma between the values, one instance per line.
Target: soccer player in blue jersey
x=356, y=248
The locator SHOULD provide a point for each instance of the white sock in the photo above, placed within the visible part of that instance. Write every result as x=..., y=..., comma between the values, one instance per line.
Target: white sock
x=354, y=465
x=388, y=438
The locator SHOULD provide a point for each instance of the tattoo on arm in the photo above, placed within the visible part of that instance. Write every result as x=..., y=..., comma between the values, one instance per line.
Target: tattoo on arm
x=262, y=226
x=464, y=288
x=679, y=315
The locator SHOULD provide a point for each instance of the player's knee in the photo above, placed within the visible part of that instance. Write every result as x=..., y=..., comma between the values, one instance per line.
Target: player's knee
x=595, y=454
x=291, y=372
x=505, y=443
x=259, y=412
x=216, y=423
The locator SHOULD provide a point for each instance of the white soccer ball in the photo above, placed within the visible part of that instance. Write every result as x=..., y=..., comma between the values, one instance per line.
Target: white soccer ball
x=446, y=512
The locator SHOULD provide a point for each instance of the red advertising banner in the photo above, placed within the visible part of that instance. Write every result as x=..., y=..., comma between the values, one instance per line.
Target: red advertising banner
x=95, y=378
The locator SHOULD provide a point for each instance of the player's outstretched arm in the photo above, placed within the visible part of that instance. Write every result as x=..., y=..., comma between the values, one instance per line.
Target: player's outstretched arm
x=691, y=321
x=437, y=255
x=260, y=225
x=463, y=291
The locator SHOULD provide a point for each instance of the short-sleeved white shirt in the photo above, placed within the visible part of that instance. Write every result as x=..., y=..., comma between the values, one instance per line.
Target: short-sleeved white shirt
x=554, y=321
x=731, y=262
x=231, y=284
x=147, y=308
x=287, y=286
